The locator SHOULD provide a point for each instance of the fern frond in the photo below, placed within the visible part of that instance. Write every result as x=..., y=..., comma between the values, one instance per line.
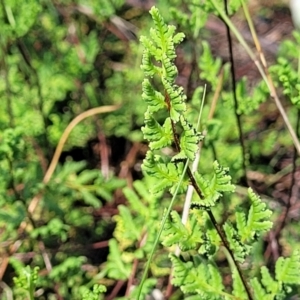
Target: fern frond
x=154, y=99
x=167, y=174
x=247, y=228
x=159, y=136
x=203, y=280
x=209, y=65
x=136, y=204
x=176, y=99
x=141, y=200
x=239, y=249
x=115, y=267
x=257, y=220
x=147, y=65
x=212, y=240
x=189, y=141
x=287, y=269
x=126, y=231
x=212, y=189
x=163, y=34
x=286, y=273
x=187, y=236
x=258, y=291
x=269, y=283
x=169, y=69
x=151, y=48
x=178, y=38
x=160, y=27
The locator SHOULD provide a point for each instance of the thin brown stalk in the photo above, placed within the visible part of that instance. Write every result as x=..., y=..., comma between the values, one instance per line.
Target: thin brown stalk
x=262, y=70
x=273, y=92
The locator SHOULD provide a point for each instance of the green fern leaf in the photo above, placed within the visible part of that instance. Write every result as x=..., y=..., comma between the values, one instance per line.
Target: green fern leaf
x=159, y=136
x=212, y=189
x=141, y=201
x=154, y=99
x=161, y=28
x=163, y=34
x=115, y=267
x=147, y=65
x=170, y=46
x=239, y=249
x=167, y=174
x=135, y=204
x=204, y=280
x=189, y=141
x=151, y=48
x=126, y=232
x=212, y=240
x=269, y=283
x=186, y=236
x=257, y=220
x=258, y=291
x=178, y=38
x=209, y=65
x=287, y=269
x=241, y=239
x=165, y=44
x=176, y=99
x=169, y=69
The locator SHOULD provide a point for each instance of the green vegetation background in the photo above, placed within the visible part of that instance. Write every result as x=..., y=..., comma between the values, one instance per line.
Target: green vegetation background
x=59, y=59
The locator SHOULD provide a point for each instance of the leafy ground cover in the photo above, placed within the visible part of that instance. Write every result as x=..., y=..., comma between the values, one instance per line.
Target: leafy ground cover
x=80, y=207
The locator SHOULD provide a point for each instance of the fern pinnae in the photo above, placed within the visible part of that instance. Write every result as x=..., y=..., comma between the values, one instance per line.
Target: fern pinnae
x=287, y=269
x=159, y=136
x=153, y=98
x=205, y=279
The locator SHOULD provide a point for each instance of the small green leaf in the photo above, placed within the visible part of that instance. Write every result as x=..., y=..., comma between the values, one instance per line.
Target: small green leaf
x=257, y=221
x=89, y=198
x=287, y=269
x=258, y=290
x=147, y=65
x=239, y=249
x=115, y=267
x=186, y=236
x=204, y=280
x=270, y=284
x=213, y=189
x=189, y=141
x=159, y=136
x=238, y=287
x=169, y=69
x=154, y=99
x=176, y=99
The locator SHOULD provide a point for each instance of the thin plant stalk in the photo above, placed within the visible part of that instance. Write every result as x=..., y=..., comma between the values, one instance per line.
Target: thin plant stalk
x=266, y=77
x=166, y=215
